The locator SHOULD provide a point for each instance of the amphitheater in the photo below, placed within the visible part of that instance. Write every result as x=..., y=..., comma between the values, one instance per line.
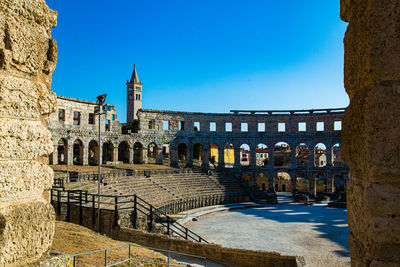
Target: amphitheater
x=203, y=159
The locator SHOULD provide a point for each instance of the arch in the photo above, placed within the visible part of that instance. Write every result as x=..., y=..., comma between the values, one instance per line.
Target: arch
x=320, y=159
x=77, y=149
x=166, y=150
x=302, y=155
x=229, y=155
x=282, y=182
x=62, y=154
x=245, y=155
x=213, y=154
x=152, y=152
x=123, y=152
x=262, y=155
x=336, y=152
x=93, y=153
x=197, y=154
x=182, y=152
x=107, y=152
x=262, y=181
x=138, y=153
x=282, y=158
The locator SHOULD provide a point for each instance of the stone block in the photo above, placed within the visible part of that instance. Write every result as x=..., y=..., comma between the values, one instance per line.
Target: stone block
x=26, y=232
x=23, y=180
x=28, y=99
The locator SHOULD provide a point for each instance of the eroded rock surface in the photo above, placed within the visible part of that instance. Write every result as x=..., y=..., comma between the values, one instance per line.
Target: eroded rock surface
x=371, y=130
x=28, y=57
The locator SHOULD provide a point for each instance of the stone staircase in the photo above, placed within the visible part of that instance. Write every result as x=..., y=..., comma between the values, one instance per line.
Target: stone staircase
x=162, y=189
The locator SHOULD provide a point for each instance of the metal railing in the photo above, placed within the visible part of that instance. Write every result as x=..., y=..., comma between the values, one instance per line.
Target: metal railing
x=64, y=201
x=131, y=258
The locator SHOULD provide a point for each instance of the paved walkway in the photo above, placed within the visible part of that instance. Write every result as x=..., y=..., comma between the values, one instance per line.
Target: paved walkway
x=317, y=233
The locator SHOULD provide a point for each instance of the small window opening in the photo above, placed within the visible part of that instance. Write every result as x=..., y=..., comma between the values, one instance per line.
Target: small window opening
x=213, y=126
x=77, y=118
x=281, y=127
x=337, y=126
x=181, y=125
x=228, y=126
x=165, y=125
x=196, y=126
x=244, y=127
x=302, y=127
x=320, y=126
x=261, y=127
x=61, y=115
x=91, y=118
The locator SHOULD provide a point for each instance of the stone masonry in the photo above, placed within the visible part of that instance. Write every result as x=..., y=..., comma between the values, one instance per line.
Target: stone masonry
x=28, y=58
x=371, y=123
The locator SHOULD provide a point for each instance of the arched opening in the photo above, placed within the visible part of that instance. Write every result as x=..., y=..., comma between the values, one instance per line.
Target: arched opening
x=282, y=155
x=152, y=152
x=137, y=153
x=182, y=152
x=62, y=151
x=261, y=155
x=123, y=152
x=282, y=182
x=93, y=153
x=213, y=155
x=166, y=154
x=107, y=153
x=78, y=152
x=302, y=155
x=337, y=155
x=320, y=155
x=262, y=181
x=197, y=154
x=245, y=155
x=229, y=155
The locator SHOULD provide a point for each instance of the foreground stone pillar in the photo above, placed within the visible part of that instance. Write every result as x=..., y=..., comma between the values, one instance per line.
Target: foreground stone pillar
x=371, y=130
x=28, y=57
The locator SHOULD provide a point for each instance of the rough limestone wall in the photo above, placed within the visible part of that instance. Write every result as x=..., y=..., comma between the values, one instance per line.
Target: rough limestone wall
x=371, y=129
x=28, y=57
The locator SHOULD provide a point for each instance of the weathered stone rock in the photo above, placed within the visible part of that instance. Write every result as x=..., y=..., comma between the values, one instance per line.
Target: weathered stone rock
x=27, y=230
x=27, y=59
x=371, y=131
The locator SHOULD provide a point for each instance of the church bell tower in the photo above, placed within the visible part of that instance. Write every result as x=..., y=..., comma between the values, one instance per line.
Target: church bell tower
x=133, y=96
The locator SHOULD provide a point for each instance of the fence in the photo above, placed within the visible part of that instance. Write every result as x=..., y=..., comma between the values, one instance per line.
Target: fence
x=84, y=207
x=131, y=258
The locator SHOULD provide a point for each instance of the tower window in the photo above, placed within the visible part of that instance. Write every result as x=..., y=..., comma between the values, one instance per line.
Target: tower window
x=152, y=124
x=138, y=88
x=137, y=97
x=130, y=97
x=181, y=125
x=196, y=126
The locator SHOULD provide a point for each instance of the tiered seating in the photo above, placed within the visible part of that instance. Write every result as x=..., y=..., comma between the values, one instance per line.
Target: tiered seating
x=162, y=189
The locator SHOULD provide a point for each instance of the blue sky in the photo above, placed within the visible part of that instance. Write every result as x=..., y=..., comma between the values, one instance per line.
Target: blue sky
x=208, y=56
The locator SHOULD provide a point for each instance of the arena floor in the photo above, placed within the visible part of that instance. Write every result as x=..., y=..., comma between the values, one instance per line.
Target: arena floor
x=317, y=233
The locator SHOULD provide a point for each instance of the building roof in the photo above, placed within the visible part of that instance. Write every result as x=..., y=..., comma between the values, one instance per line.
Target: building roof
x=134, y=77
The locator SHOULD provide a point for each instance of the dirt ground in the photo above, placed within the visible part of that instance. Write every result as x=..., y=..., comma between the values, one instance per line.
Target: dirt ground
x=73, y=239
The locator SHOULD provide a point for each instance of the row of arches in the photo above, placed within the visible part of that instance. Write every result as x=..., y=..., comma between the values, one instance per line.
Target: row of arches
x=110, y=152
x=282, y=155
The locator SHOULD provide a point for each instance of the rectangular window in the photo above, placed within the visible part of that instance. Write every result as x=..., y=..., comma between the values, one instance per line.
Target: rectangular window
x=337, y=126
x=281, y=127
x=302, y=127
x=228, y=126
x=77, y=118
x=213, y=126
x=181, y=125
x=244, y=126
x=61, y=115
x=261, y=127
x=152, y=124
x=91, y=118
x=137, y=97
x=196, y=126
x=320, y=126
x=165, y=125
x=130, y=97
x=108, y=126
x=114, y=117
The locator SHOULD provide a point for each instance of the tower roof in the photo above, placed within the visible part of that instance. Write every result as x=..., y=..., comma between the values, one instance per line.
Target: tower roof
x=134, y=77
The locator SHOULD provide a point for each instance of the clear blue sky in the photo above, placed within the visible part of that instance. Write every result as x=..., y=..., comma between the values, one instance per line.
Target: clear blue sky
x=208, y=56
